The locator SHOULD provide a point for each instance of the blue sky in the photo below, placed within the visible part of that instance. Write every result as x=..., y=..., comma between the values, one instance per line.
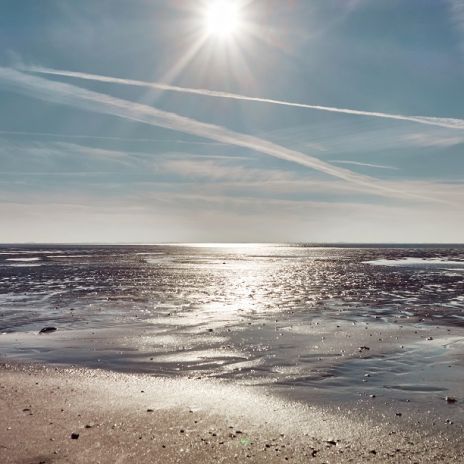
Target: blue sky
x=95, y=160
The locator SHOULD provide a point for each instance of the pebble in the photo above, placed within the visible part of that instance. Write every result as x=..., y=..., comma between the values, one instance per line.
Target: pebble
x=47, y=330
x=74, y=436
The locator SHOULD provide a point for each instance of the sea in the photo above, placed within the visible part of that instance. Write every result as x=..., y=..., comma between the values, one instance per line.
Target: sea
x=351, y=320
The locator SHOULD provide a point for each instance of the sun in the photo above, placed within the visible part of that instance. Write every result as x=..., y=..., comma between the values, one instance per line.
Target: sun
x=222, y=18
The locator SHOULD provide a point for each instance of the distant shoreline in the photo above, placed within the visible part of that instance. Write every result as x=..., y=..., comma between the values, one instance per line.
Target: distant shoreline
x=248, y=244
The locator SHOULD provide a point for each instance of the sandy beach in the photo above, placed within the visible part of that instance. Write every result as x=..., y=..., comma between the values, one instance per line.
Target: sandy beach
x=266, y=355
x=118, y=418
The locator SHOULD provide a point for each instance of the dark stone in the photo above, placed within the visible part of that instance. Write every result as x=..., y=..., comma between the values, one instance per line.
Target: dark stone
x=74, y=436
x=47, y=330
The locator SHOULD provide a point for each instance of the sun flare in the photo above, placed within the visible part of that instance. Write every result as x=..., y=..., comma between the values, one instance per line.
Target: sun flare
x=222, y=18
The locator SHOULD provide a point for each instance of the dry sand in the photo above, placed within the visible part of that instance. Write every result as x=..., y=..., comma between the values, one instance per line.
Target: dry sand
x=133, y=418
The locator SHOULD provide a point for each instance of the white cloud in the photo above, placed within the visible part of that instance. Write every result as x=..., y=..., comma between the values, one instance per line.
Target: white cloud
x=423, y=139
x=101, y=137
x=213, y=170
x=170, y=217
x=77, y=97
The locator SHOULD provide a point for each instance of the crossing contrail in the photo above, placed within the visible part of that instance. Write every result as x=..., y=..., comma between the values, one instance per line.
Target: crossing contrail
x=77, y=97
x=450, y=123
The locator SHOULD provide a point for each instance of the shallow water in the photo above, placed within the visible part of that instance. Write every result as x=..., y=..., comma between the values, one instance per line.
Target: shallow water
x=292, y=316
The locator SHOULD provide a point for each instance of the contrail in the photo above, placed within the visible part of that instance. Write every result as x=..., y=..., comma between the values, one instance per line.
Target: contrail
x=450, y=123
x=369, y=165
x=77, y=97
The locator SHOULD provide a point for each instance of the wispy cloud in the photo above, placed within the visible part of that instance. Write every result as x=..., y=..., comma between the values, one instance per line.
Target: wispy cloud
x=422, y=139
x=368, y=165
x=177, y=172
x=201, y=216
x=101, y=137
x=352, y=139
x=451, y=123
x=221, y=171
x=77, y=97
x=43, y=152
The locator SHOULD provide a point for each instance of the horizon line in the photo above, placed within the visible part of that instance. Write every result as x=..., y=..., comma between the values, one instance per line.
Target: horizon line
x=218, y=244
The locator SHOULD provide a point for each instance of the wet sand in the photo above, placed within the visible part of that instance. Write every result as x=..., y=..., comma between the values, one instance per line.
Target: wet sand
x=277, y=354
x=123, y=418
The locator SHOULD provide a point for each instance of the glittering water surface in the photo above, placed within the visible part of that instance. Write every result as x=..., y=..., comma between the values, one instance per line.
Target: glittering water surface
x=292, y=315
x=115, y=284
